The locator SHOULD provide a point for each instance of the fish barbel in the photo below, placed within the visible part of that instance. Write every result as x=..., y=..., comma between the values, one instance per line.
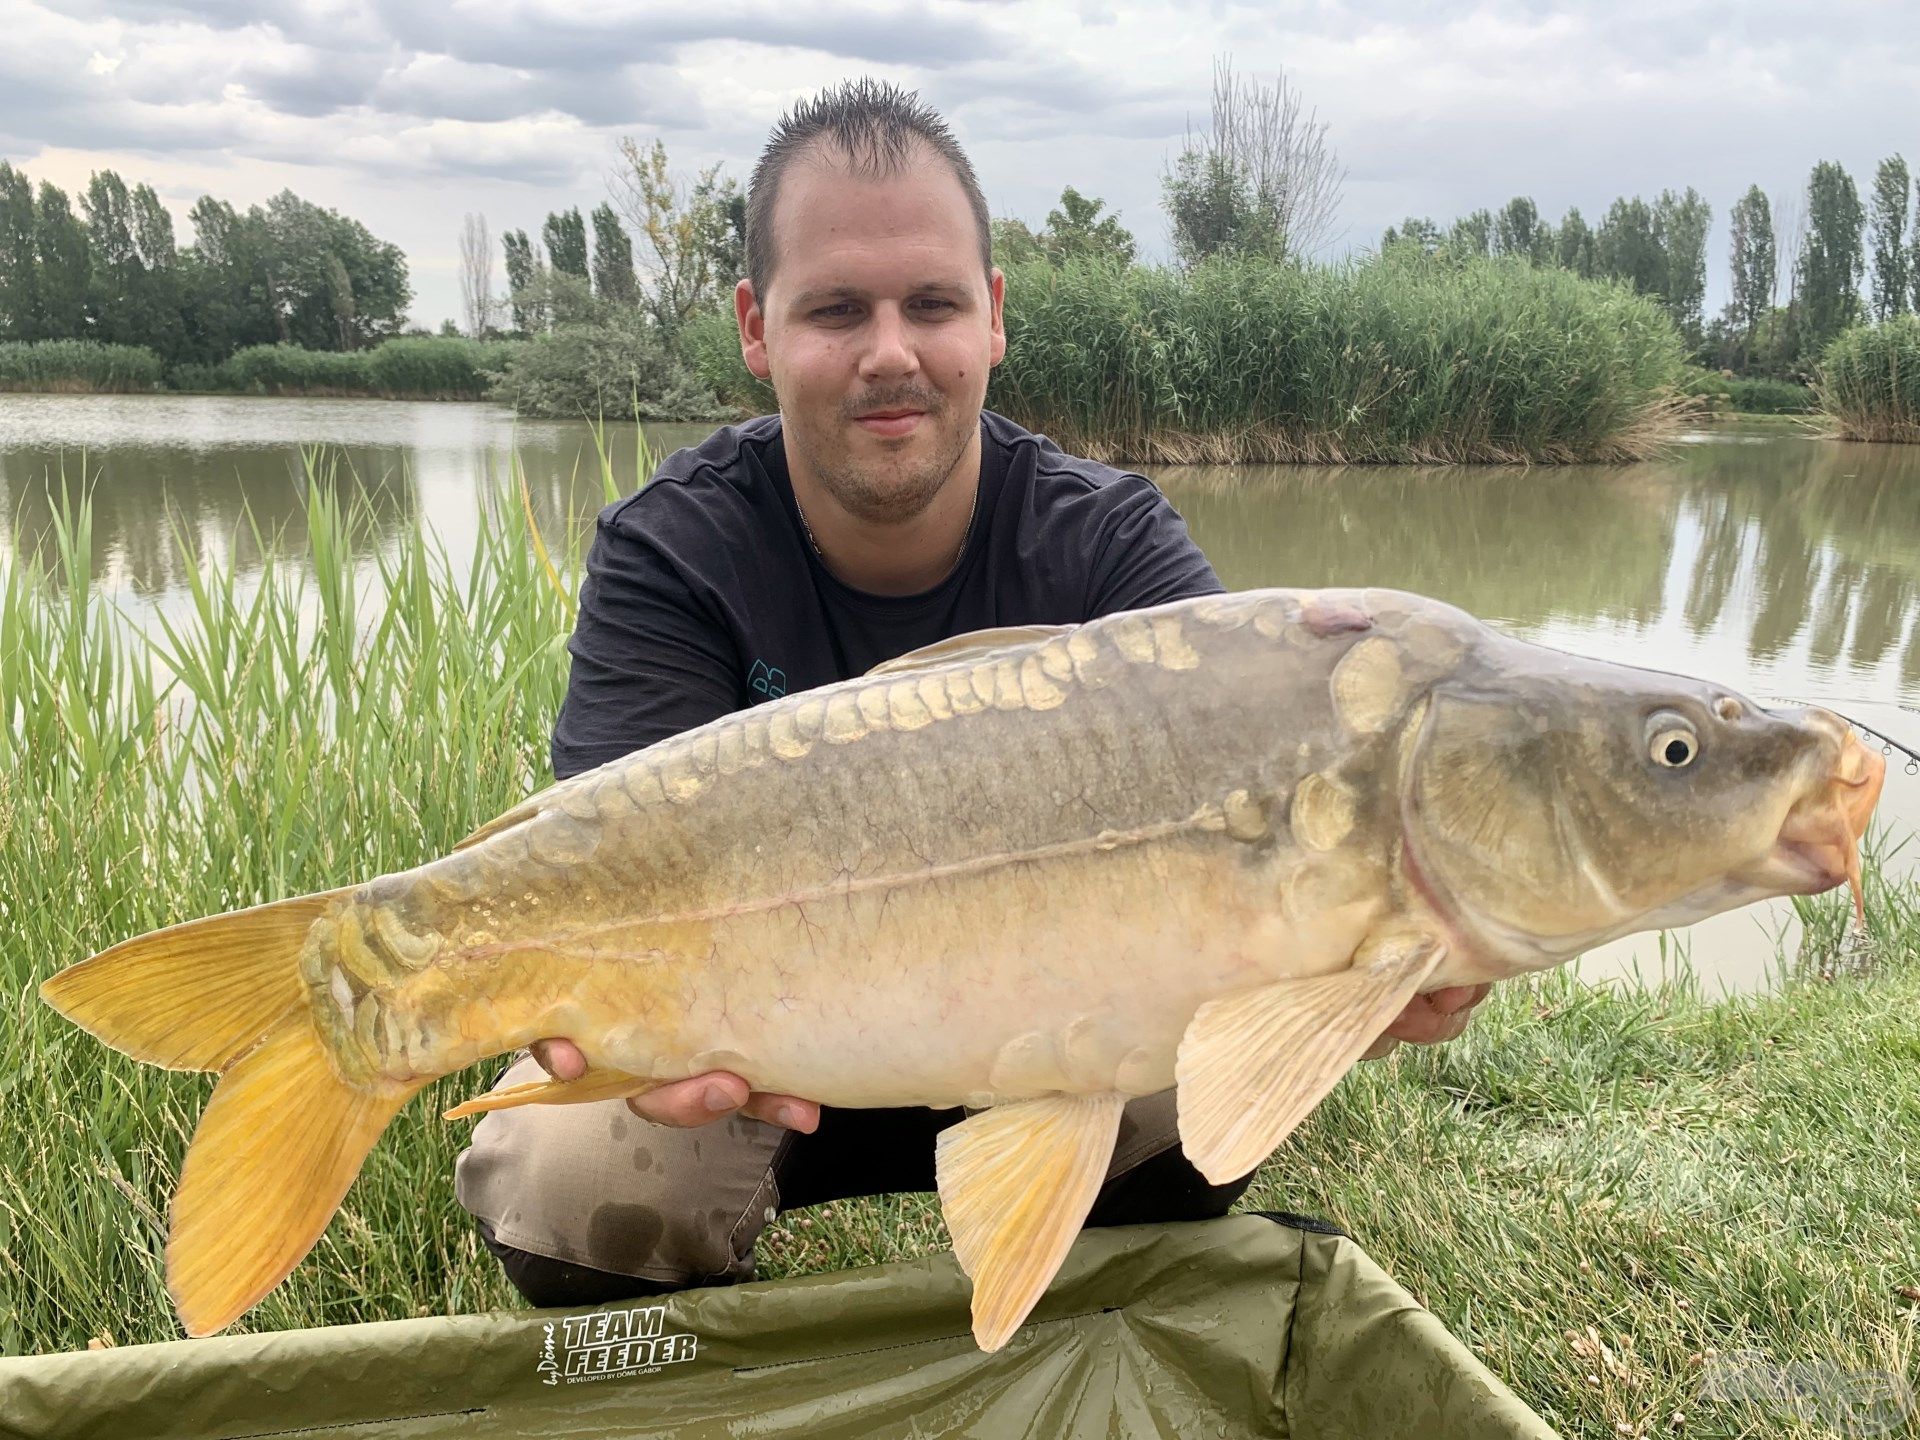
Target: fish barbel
x=1217, y=844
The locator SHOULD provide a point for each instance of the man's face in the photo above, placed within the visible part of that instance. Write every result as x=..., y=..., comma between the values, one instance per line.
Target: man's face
x=877, y=331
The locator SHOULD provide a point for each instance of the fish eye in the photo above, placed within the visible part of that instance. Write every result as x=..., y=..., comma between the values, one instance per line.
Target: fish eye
x=1674, y=747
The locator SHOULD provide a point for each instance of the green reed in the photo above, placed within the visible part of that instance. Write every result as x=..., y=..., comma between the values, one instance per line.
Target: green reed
x=77, y=367
x=1869, y=385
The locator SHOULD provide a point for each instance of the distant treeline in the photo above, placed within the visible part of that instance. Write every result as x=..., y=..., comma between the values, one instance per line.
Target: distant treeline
x=112, y=271
x=1821, y=246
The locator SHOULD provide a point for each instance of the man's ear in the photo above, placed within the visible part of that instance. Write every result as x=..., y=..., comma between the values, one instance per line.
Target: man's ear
x=997, y=288
x=753, y=330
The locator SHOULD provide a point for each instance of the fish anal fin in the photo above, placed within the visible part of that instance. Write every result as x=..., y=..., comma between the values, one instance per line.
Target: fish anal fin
x=1016, y=1183
x=1252, y=1065
x=970, y=646
x=270, y=1162
x=597, y=1084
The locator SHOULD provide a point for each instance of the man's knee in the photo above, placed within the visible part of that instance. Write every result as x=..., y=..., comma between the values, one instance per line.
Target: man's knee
x=1163, y=1187
x=547, y=1283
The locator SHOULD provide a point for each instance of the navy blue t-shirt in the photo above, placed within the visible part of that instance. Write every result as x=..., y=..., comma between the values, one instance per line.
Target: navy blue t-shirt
x=703, y=596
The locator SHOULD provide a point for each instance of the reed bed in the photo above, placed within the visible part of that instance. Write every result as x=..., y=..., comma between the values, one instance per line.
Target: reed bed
x=1869, y=385
x=77, y=367
x=1395, y=360
x=1600, y=1191
x=441, y=367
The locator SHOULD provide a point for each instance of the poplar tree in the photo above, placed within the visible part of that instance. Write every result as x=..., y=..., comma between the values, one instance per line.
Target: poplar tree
x=1828, y=284
x=63, y=268
x=565, y=236
x=1892, y=260
x=1627, y=247
x=1518, y=230
x=1681, y=223
x=1471, y=234
x=1574, y=245
x=19, y=302
x=520, y=264
x=613, y=277
x=1753, y=263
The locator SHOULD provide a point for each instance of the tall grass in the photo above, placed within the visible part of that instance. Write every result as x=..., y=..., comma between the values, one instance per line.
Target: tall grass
x=1869, y=385
x=77, y=367
x=441, y=367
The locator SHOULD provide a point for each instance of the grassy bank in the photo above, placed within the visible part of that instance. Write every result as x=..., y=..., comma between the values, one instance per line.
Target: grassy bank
x=77, y=367
x=1869, y=384
x=1586, y=1185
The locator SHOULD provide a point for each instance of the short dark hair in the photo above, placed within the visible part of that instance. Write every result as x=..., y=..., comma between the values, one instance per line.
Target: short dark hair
x=875, y=126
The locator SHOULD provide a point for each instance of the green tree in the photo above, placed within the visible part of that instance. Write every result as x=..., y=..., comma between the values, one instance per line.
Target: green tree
x=1574, y=245
x=1518, y=230
x=1913, y=256
x=1076, y=231
x=114, y=298
x=613, y=277
x=1828, y=284
x=1260, y=180
x=565, y=236
x=1681, y=223
x=1415, y=230
x=1891, y=258
x=19, y=274
x=338, y=287
x=1627, y=247
x=1471, y=234
x=1753, y=265
x=63, y=264
x=1013, y=242
x=521, y=266
x=690, y=237
x=228, y=300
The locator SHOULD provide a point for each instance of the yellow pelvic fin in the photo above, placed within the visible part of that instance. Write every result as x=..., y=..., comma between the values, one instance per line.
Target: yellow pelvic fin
x=193, y=996
x=279, y=1144
x=596, y=1084
x=1015, y=1183
x=971, y=646
x=1253, y=1064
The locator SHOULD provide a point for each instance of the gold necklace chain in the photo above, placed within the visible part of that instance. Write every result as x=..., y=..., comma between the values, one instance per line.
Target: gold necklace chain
x=960, y=550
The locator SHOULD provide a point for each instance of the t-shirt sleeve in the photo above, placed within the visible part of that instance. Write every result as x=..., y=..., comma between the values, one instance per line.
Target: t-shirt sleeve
x=1144, y=555
x=649, y=660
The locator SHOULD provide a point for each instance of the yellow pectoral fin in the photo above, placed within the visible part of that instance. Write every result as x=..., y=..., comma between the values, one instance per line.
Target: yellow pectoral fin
x=1016, y=1183
x=1252, y=1065
x=596, y=1084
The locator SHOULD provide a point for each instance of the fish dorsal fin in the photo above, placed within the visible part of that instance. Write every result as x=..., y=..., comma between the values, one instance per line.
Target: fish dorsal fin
x=1253, y=1064
x=1015, y=1183
x=528, y=808
x=970, y=646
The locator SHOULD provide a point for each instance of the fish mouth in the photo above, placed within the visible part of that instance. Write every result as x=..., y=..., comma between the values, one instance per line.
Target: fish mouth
x=1818, y=846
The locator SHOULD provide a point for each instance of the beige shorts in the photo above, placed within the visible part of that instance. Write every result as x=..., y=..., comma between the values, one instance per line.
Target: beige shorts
x=593, y=1185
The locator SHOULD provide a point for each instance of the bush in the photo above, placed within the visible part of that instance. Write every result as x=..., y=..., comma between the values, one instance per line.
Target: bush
x=1398, y=359
x=441, y=367
x=1745, y=394
x=77, y=367
x=613, y=368
x=1869, y=385
x=292, y=370
x=711, y=343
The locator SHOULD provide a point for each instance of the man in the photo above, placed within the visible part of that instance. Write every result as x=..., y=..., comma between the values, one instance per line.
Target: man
x=879, y=511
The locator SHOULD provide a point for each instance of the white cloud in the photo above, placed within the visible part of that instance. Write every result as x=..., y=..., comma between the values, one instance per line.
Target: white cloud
x=408, y=115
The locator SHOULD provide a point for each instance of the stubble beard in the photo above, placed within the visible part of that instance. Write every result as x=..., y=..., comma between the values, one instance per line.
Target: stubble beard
x=894, y=488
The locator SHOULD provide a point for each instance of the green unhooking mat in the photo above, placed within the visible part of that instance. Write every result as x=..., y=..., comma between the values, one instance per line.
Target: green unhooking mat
x=1235, y=1327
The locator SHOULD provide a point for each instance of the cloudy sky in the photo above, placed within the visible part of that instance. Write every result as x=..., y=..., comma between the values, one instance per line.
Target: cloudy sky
x=408, y=114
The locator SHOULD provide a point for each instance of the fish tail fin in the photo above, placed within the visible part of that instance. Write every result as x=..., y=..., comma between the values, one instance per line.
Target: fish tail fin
x=276, y=1149
x=195, y=996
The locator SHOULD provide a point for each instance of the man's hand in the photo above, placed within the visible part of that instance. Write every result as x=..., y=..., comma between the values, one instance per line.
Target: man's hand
x=1440, y=1015
x=697, y=1100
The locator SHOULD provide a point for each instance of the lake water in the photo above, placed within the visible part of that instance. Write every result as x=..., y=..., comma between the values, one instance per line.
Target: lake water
x=1782, y=565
